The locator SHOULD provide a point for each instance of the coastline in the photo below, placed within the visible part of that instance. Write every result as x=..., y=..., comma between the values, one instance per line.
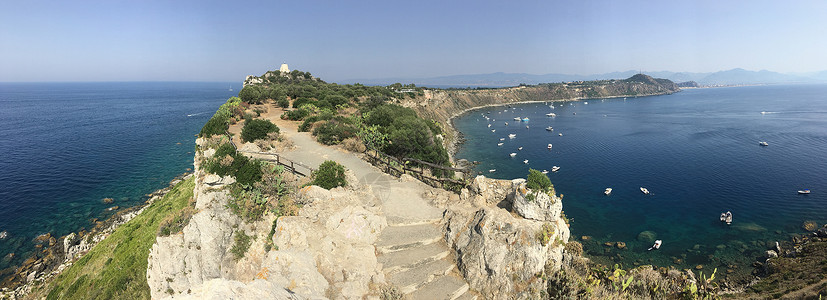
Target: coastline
x=64, y=251
x=455, y=142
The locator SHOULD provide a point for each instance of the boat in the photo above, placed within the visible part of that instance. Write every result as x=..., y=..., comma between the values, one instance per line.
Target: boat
x=763, y=113
x=525, y=119
x=521, y=148
x=231, y=88
x=499, y=144
x=549, y=128
x=608, y=191
x=549, y=147
x=551, y=114
x=513, y=154
x=526, y=127
x=656, y=245
x=545, y=171
x=644, y=190
x=489, y=125
x=763, y=143
x=493, y=130
x=555, y=168
x=805, y=191
x=492, y=170
x=728, y=218
x=516, y=118
x=586, y=102
x=560, y=134
x=525, y=161
x=511, y=136
x=502, y=139
x=506, y=123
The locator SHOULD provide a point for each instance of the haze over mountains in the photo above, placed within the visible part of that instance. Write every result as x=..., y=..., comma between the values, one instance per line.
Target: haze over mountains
x=736, y=76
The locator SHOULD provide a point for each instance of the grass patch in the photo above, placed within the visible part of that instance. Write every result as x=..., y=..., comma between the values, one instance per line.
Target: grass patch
x=241, y=245
x=116, y=267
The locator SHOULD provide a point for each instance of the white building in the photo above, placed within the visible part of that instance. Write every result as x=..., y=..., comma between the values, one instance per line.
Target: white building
x=284, y=68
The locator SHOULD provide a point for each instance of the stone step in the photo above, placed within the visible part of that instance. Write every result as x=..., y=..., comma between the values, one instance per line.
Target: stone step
x=412, y=257
x=467, y=296
x=395, y=238
x=408, y=280
x=403, y=221
x=446, y=287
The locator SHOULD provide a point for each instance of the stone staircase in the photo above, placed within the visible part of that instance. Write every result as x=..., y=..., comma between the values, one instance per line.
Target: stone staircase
x=415, y=258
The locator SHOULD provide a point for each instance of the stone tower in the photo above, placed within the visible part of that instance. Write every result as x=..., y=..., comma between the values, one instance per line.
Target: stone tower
x=284, y=68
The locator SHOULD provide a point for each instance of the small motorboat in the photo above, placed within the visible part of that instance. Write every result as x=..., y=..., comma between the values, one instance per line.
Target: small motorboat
x=608, y=191
x=525, y=161
x=521, y=148
x=551, y=114
x=489, y=125
x=506, y=123
x=545, y=171
x=728, y=218
x=516, y=118
x=560, y=134
x=555, y=168
x=499, y=144
x=526, y=127
x=513, y=154
x=549, y=128
x=586, y=102
x=763, y=143
x=525, y=119
x=804, y=192
x=511, y=136
x=493, y=130
x=502, y=139
x=656, y=246
x=644, y=190
x=492, y=170
x=549, y=147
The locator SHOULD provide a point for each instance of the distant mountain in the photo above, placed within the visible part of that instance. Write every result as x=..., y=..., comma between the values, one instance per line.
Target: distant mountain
x=730, y=77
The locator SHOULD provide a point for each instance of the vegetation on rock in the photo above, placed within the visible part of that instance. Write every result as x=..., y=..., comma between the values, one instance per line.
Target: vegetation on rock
x=329, y=175
x=227, y=161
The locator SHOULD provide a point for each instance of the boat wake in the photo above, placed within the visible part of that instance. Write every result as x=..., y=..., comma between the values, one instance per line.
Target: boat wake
x=195, y=114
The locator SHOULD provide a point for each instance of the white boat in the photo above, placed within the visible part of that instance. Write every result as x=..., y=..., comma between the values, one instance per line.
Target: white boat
x=521, y=148
x=560, y=134
x=489, y=125
x=511, y=136
x=644, y=190
x=805, y=191
x=549, y=128
x=545, y=171
x=499, y=144
x=525, y=119
x=493, y=130
x=549, y=147
x=763, y=113
x=492, y=170
x=585, y=102
x=551, y=114
x=555, y=168
x=506, y=123
x=513, y=154
x=525, y=161
x=607, y=191
x=763, y=143
x=656, y=245
x=516, y=118
x=502, y=139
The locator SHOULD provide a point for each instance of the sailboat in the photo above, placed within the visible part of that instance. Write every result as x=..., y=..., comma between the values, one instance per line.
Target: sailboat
x=231, y=88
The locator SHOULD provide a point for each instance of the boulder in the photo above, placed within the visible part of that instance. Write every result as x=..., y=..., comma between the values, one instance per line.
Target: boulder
x=822, y=232
x=249, y=147
x=544, y=207
x=809, y=225
x=499, y=254
x=108, y=200
x=219, y=289
x=772, y=254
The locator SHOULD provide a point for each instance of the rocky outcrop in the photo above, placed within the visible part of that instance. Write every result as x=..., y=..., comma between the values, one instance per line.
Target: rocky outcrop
x=500, y=253
x=325, y=252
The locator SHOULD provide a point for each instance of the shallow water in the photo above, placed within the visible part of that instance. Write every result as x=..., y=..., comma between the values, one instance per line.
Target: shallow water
x=696, y=151
x=66, y=146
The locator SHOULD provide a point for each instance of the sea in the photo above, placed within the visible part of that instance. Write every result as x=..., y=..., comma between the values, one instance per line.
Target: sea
x=696, y=151
x=67, y=146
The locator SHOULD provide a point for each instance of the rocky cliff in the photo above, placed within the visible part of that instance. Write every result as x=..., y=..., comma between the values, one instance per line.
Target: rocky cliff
x=442, y=105
x=321, y=253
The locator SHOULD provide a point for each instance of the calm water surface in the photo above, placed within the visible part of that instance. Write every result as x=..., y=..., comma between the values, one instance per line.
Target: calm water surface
x=697, y=152
x=66, y=146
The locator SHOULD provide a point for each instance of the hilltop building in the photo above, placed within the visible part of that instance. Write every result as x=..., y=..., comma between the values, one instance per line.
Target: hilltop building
x=284, y=68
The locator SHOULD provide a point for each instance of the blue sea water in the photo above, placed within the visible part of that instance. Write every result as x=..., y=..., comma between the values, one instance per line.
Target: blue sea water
x=66, y=146
x=697, y=152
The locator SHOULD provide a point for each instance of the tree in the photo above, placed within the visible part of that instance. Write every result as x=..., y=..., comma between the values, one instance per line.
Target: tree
x=329, y=175
x=250, y=94
x=257, y=129
x=537, y=181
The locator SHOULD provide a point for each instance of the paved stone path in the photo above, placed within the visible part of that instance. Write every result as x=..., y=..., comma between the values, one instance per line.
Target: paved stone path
x=415, y=258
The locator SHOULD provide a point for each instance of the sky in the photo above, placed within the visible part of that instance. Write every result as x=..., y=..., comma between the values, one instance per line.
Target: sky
x=186, y=40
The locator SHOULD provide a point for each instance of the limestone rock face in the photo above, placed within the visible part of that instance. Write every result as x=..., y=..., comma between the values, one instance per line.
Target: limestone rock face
x=499, y=255
x=325, y=251
x=542, y=208
x=252, y=79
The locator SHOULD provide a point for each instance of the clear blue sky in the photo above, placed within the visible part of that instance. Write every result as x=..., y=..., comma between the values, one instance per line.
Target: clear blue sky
x=116, y=40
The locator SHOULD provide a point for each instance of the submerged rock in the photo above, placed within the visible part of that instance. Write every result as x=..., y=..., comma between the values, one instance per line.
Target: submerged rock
x=809, y=226
x=647, y=236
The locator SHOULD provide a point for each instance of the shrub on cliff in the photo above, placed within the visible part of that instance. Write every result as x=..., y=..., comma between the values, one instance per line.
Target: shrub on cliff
x=329, y=175
x=256, y=129
x=537, y=181
x=334, y=132
x=216, y=125
x=226, y=161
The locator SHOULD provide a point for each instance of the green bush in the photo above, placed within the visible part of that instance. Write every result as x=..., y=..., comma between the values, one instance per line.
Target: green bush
x=334, y=132
x=226, y=161
x=295, y=115
x=283, y=102
x=215, y=126
x=537, y=181
x=329, y=175
x=256, y=129
x=301, y=101
x=251, y=94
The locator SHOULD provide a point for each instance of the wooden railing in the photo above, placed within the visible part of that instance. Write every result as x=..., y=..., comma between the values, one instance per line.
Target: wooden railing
x=288, y=164
x=418, y=169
